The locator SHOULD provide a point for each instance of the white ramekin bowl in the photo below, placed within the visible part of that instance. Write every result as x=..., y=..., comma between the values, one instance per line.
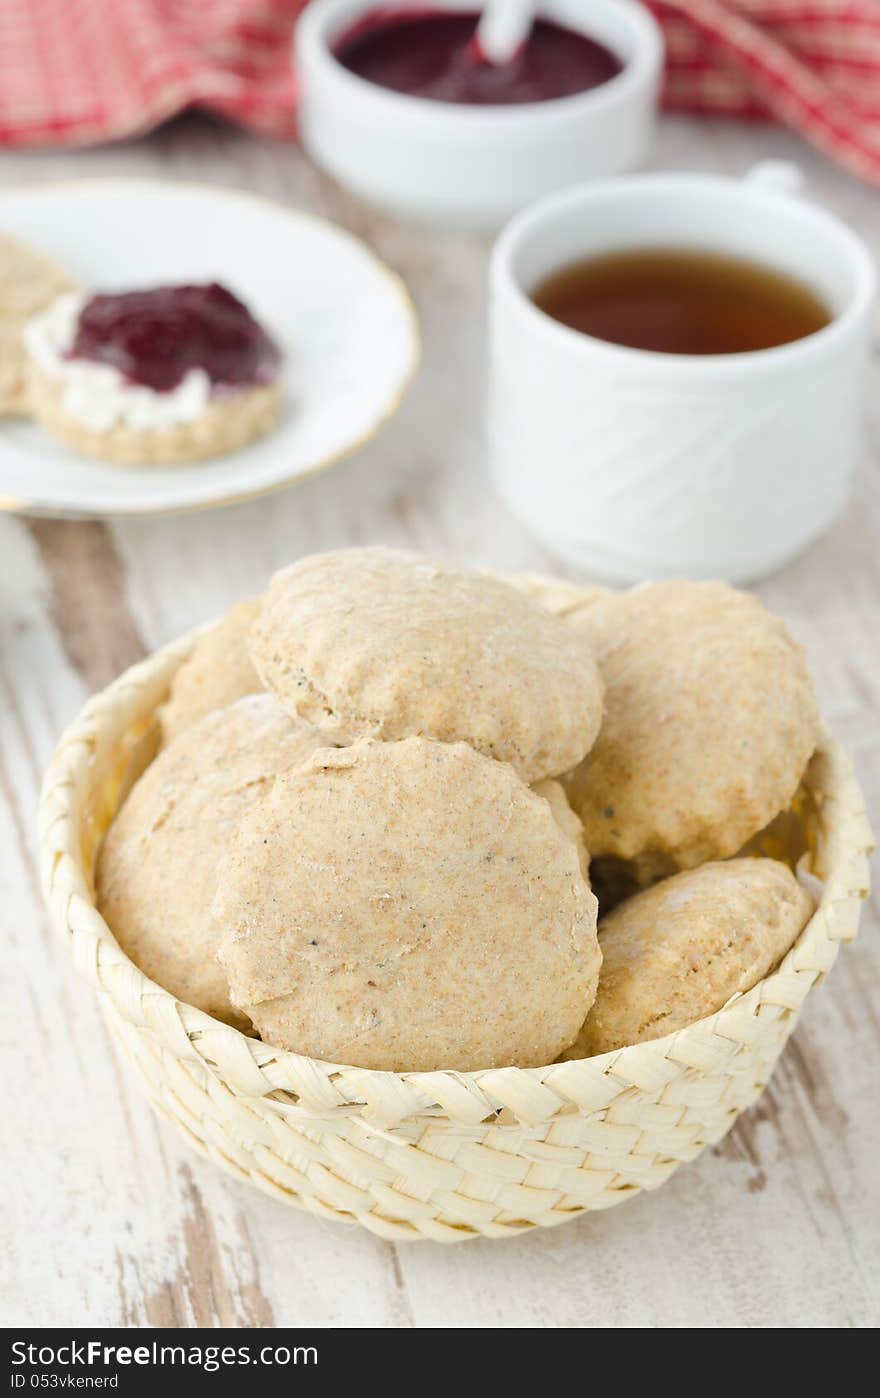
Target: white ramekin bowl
x=630, y=464
x=467, y=166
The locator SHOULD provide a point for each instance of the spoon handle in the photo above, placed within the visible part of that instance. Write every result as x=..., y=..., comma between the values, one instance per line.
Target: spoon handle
x=503, y=28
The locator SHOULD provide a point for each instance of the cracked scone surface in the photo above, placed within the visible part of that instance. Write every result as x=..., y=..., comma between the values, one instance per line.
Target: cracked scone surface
x=218, y=672
x=385, y=643
x=408, y=906
x=157, y=871
x=29, y=282
x=678, y=951
x=553, y=793
x=710, y=720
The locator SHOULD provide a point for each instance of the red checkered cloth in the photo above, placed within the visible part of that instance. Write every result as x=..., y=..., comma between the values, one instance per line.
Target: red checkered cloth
x=812, y=65
x=74, y=72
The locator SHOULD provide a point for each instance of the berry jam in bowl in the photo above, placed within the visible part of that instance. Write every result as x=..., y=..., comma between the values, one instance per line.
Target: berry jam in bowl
x=435, y=54
x=397, y=104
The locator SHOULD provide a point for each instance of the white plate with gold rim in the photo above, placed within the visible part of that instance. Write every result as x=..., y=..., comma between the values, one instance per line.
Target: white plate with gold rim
x=344, y=321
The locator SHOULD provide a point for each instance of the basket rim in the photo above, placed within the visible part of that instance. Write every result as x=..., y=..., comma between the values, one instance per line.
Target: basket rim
x=315, y=1087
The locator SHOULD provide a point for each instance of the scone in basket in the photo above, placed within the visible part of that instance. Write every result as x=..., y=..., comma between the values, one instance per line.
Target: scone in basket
x=440, y=1155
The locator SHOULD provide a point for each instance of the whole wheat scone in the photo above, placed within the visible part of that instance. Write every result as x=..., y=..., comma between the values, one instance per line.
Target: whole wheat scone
x=28, y=283
x=407, y=905
x=157, y=871
x=710, y=720
x=677, y=952
x=230, y=421
x=386, y=643
x=218, y=672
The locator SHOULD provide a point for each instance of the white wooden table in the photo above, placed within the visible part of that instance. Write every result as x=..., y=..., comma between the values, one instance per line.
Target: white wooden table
x=112, y=1220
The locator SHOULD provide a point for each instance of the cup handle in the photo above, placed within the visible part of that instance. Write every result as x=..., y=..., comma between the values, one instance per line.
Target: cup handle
x=777, y=176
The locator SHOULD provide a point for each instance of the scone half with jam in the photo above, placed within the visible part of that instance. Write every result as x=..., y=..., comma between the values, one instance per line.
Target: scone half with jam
x=156, y=377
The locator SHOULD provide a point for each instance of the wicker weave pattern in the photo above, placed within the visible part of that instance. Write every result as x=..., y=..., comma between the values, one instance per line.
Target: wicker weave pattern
x=438, y=1155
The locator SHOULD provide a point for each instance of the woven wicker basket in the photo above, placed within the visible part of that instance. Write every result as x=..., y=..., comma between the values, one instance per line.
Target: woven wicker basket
x=439, y=1155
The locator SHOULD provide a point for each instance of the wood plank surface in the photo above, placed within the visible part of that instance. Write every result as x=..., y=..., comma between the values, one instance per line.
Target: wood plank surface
x=108, y=1219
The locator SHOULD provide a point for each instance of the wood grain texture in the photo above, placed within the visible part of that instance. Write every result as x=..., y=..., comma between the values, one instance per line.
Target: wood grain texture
x=112, y=1221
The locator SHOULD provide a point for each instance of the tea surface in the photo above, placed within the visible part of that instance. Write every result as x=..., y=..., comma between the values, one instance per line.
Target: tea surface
x=681, y=301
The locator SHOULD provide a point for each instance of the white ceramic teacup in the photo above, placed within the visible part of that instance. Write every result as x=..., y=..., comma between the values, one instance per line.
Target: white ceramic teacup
x=471, y=166
x=632, y=464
